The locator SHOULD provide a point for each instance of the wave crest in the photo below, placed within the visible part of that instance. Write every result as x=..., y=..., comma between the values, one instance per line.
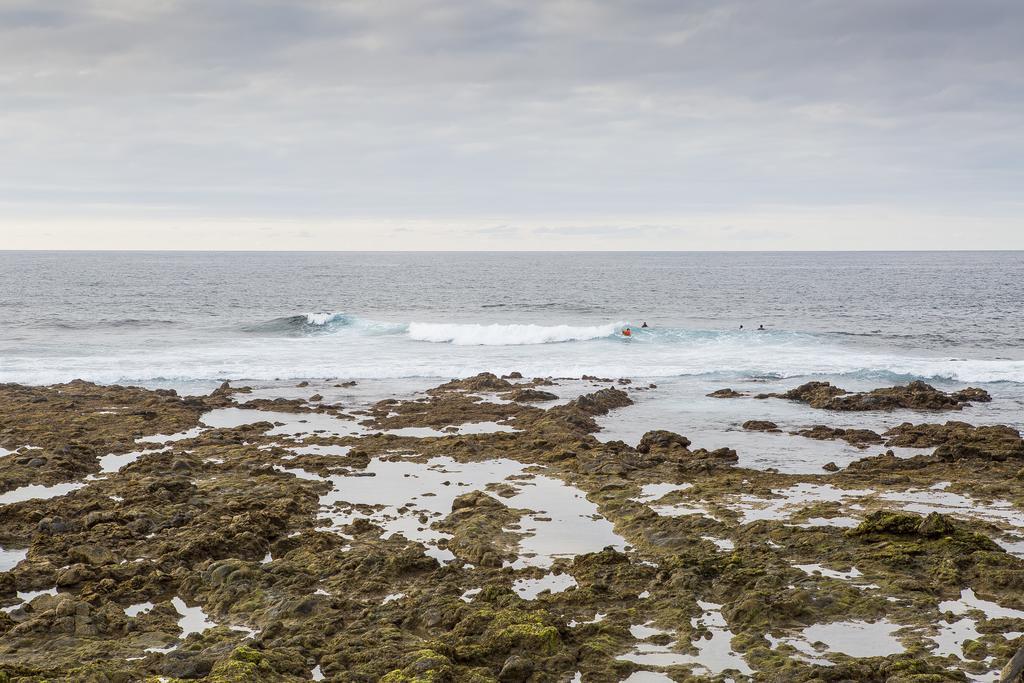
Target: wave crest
x=299, y=325
x=506, y=335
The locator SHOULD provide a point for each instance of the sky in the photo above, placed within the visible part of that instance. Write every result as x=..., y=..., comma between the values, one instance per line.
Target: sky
x=494, y=124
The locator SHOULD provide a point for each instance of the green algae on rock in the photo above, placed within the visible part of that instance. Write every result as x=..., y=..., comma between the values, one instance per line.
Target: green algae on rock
x=712, y=571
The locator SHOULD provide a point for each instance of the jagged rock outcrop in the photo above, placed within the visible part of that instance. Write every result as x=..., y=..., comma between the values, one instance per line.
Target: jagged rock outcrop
x=916, y=395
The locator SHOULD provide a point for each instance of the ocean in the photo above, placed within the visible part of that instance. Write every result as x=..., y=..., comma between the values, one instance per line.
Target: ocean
x=191, y=319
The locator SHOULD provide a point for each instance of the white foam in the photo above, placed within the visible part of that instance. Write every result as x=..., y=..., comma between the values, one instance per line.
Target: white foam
x=506, y=335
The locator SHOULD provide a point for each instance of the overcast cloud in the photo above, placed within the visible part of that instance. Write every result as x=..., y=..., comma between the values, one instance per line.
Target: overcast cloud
x=485, y=124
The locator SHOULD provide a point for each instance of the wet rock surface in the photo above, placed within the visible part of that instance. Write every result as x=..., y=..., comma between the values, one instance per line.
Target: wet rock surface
x=857, y=437
x=524, y=549
x=916, y=395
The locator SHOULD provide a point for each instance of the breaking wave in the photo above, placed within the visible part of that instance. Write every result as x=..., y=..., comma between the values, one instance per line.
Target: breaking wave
x=459, y=334
x=507, y=335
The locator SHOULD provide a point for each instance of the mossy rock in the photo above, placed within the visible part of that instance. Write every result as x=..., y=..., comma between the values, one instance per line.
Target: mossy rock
x=244, y=665
x=427, y=666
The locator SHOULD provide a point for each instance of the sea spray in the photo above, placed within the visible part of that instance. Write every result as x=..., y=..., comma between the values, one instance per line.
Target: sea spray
x=507, y=335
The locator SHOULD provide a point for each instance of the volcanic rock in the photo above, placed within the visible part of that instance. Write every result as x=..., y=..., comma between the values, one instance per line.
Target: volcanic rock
x=760, y=426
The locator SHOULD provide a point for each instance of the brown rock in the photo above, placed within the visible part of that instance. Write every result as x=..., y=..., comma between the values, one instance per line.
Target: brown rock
x=856, y=437
x=760, y=426
x=662, y=440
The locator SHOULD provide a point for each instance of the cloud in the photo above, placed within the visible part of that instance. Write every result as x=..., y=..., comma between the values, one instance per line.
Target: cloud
x=491, y=113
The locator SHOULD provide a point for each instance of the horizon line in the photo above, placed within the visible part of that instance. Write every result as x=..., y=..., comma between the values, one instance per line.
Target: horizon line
x=507, y=251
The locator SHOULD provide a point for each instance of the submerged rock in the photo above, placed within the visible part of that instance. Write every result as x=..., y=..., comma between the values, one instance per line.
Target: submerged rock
x=725, y=393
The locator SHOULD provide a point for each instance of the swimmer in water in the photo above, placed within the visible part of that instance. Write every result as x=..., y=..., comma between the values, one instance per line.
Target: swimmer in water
x=644, y=325
x=627, y=332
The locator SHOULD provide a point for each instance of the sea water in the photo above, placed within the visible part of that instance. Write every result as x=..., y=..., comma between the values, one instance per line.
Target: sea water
x=191, y=319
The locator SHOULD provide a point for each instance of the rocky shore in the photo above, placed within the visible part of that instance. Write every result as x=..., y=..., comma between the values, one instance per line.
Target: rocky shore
x=479, y=531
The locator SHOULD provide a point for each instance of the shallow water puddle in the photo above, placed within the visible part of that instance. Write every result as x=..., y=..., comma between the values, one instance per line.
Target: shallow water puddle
x=564, y=523
x=812, y=569
x=529, y=589
x=114, y=462
x=753, y=508
x=952, y=635
x=841, y=522
x=790, y=500
x=9, y=558
x=468, y=428
x=321, y=450
x=724, y=544
x=27, y=597
x=682, y=510
x=404, y=494
x=598, y=618
x=1012, y=544
x=948, y=503
x=714, y=652
x=291, y=423
x=39, y=492
x=193, y=619
x=853, y=638
x=646, y=677
x=653, y=492
x=969, y=601
x=170, y=438
x=405, y=491
x=137, y=609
